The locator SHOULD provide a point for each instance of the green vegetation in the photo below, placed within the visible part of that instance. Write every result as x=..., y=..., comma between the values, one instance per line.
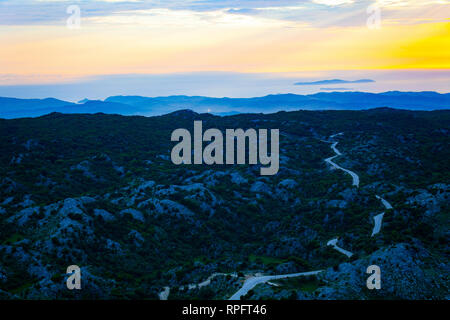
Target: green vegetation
x=48, y=160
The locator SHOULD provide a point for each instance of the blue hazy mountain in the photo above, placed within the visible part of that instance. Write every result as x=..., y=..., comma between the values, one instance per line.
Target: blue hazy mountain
x=336, y=89
x=98, y=106
x=273, y=103
x=13, y=105
x=332, y=81
x=20, y=108
x=138, y=105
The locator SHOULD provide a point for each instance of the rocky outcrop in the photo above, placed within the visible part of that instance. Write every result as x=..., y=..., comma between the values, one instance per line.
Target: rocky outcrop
x=104, y=214
x=135, y=214
x=404, y=275
x=260, y=187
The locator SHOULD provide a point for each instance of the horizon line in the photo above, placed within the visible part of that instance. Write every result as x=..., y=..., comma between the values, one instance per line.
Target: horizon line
x=227, y=97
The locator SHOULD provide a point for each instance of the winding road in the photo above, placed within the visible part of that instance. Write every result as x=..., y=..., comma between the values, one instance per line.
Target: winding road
x=386, y=204
x=333, y=243
x=329, y=160
x=378, y=219
x=164, y=295
x=355, y=177
x=250, y=283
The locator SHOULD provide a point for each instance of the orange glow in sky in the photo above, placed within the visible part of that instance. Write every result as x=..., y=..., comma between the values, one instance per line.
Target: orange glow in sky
x=167, y=41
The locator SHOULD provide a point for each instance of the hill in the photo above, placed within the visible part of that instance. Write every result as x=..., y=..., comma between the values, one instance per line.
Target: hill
x=137, y=105
x=100, y=191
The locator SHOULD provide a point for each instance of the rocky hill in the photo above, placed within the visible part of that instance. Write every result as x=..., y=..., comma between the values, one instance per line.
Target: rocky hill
x=100, y=191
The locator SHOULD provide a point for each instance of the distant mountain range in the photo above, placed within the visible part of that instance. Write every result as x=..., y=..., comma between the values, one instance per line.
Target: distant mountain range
x=138, y=105
x=332, y=81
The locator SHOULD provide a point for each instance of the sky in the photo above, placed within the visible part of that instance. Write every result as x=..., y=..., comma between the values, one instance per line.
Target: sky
x=220, y=48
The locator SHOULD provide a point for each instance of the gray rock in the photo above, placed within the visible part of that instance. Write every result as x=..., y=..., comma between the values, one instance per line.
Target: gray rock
x=288, y=184
x=213, y=178
x=135, y=214
x=336, y=204
x=3, y=276
x=260, y=187
x=7, y=201
x=8, y=185
x=163, y=157
x=113, y=246
x=85, y=168
x=27, y=202
x=237, y=178
x=285, y=268
x=17, y=159
x=172, y=207
x=404, y=275
x=23, y=216
x=144, y=186
x=137, y=237
x=104, y=214
x=71, y=205
x=348, y=194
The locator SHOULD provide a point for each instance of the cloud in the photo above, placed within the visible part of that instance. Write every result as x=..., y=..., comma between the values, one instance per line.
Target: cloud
x=333, y=2
x=188, y=36
x=319, y=13
x=166, y=18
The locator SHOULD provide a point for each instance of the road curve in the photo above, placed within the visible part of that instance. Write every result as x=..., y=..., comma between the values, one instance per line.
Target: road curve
x=164, y=295
x=250, y=283
x=333, y=243
x=378, y=219
x=377, y=227
x=386, y=204
x=329, y=160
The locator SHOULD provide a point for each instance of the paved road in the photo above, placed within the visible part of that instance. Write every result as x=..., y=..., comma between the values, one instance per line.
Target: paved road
x=336, y=134
x=333, y=146
x=329, y=160
x=378, y=219
x=333, y=243
x=386, y=204
x=165, y=294
x=250, y=283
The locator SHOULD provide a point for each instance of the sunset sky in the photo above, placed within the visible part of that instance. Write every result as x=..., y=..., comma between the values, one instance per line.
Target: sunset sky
x=309, y=39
